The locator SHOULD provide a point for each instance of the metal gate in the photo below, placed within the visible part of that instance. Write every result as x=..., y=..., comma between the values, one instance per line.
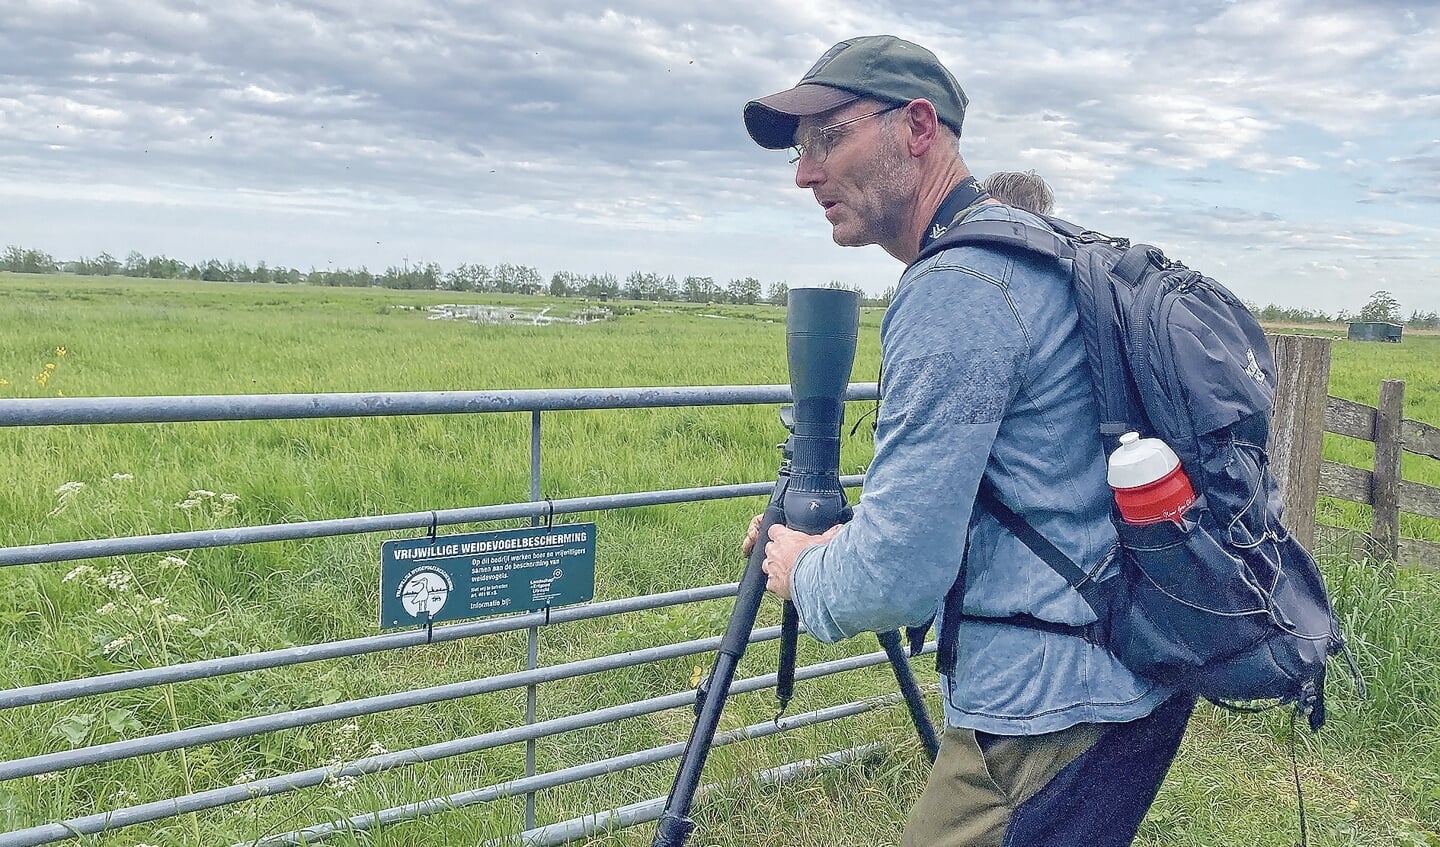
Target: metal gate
x=527, y=730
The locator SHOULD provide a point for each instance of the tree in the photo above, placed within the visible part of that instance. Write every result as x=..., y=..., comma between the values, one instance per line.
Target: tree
x=527, y=280
x=21, y=261
x=635, y=285
x=211, y=272
x=605, y=284
x=1382, y=307
x=163, y=267
x=237, y=271
x=135, y=264
x=778, y=294
x=505, y=278
x=457, y=280
x=106, y=265
x=700, y=289
x=745, y=290
x=1280, y=314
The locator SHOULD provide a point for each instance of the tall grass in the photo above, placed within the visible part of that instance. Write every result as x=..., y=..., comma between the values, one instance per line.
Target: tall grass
x=1370, y=777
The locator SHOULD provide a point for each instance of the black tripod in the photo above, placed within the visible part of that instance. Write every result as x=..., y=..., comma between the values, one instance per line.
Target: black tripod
x=821, y=328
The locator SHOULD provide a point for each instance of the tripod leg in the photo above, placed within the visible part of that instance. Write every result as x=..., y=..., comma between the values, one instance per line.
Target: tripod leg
x=914, y=697
x=789, y=642
x=675, y=825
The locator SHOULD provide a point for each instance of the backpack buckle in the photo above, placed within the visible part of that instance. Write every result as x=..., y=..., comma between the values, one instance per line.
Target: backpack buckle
x=1090, y=236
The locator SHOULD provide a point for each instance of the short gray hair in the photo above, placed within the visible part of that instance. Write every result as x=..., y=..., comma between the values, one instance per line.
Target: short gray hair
x=1021, y=189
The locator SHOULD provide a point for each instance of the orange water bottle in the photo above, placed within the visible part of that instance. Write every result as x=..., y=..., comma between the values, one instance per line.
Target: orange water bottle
x=1149, y=483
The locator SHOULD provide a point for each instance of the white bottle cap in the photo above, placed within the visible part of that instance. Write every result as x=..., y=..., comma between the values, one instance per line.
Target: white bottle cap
x=1140, y=461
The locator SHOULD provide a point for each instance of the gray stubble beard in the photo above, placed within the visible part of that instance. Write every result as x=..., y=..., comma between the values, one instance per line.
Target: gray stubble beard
x=896, y=179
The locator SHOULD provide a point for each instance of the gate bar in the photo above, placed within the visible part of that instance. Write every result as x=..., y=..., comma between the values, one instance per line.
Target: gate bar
x=229, y=795
x=62, y=551
x=646, y=811
x=52, y=411
x=50, y=692
x=567, y=776
x=295, y=718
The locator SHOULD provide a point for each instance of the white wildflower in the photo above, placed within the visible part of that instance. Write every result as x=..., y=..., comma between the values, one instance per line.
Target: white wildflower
x=344, y=785
x=117, y=580
x=77, y=573
x=376, y=749
x=159, y=602
x=230, y=498
x=243, y=777
x=174, y=562
x=47, y=777
x=118, y=643
x=123, y=795
x=350, y=728
x=187, y=505
x=174, y=618
x=105, y=609
x=122, y=476
x=64, y=495
x=200, y=494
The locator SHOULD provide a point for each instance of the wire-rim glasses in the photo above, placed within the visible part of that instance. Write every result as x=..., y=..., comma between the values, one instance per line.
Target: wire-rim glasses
x=819, y=142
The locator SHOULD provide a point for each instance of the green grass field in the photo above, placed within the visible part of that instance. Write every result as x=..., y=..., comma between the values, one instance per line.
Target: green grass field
x=1372, y=777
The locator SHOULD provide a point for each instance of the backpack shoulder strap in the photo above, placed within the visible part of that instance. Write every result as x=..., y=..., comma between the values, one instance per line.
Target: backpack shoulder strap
x=1089, y=591
x=1102, y=318
x=1043, y=548
x=992, y=233
x=1104, y=324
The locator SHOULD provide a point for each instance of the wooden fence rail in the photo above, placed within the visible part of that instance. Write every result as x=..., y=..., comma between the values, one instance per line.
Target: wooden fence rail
x=1304, y=412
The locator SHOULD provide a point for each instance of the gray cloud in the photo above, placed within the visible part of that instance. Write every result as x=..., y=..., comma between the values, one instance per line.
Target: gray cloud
x=486, y=118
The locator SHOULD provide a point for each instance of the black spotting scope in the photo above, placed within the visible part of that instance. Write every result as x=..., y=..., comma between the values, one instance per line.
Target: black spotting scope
x=821, y=327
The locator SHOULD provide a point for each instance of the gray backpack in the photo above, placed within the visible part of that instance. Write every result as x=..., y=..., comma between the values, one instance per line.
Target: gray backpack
x=1224, y=603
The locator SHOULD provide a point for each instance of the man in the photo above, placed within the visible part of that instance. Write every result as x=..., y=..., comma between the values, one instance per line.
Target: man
x=985, y=393
x=1021, y=189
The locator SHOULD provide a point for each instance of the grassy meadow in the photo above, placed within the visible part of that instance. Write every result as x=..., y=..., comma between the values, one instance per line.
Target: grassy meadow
x=1371, y=778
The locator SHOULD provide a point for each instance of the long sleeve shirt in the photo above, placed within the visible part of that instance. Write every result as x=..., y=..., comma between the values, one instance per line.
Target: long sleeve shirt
x=984, y=375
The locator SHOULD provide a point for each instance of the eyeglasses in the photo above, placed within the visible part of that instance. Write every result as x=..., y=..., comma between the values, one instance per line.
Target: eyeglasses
x=819, y=142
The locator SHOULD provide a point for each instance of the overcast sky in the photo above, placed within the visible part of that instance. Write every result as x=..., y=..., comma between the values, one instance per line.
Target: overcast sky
x=1290, y=148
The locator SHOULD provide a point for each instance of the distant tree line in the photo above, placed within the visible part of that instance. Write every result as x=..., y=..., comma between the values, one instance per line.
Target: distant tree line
x=506, y=278
x=1381, y=307
x=1425, y=320
x=503, y=278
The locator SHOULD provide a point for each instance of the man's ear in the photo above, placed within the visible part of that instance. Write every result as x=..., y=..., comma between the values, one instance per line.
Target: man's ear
x=923, y=126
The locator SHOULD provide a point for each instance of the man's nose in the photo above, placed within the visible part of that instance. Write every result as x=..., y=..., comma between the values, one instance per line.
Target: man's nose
x=808, y=174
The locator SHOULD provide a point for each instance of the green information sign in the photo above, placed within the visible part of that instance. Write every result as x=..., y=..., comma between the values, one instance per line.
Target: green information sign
x=456, y=577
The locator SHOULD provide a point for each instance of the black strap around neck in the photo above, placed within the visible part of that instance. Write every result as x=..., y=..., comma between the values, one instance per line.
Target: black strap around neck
x=962, y=197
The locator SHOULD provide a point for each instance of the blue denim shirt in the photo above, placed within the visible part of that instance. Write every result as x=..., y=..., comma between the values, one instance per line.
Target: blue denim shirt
x=983, y=374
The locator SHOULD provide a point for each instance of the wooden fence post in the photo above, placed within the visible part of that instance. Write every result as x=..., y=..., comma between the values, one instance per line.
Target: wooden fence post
x=1297, y=427
x=1385, y=485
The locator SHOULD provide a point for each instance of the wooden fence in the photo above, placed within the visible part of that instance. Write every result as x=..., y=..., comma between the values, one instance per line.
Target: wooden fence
x=1304, y=412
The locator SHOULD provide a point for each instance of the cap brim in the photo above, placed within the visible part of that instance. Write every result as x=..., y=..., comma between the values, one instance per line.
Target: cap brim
x=771, y=121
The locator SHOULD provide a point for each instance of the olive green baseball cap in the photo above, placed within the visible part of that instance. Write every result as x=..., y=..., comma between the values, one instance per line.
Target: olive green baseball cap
x=880, y=67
